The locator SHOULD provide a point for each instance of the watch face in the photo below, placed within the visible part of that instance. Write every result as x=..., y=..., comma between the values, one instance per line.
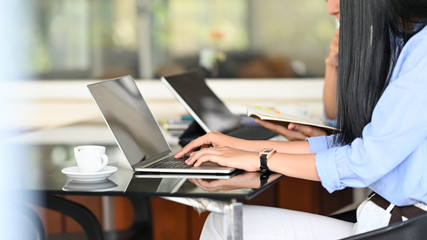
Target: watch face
x=267, y=151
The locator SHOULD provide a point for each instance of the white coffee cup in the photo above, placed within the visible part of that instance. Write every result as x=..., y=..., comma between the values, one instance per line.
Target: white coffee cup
x=90, y=158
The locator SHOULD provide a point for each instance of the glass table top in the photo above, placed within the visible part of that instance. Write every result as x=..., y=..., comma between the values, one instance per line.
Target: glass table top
x=42, y=165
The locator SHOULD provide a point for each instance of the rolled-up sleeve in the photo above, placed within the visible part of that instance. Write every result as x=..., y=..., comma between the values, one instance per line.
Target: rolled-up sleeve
x=320, y=143
x=327, y=170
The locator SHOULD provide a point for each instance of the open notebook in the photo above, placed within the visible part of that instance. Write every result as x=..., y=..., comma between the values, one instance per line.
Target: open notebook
x=273, y=114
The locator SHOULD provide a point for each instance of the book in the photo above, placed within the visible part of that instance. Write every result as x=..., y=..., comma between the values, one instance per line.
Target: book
x=274, y=114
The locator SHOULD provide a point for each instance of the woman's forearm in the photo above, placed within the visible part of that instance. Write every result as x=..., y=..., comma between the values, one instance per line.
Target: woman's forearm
x=291, y=147
x=294, y=165
x=330, y=91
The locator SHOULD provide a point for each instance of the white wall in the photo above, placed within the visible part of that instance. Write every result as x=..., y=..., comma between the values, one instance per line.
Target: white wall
x=53, y=103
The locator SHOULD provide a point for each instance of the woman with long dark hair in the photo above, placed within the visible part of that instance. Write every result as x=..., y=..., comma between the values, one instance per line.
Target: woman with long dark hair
x=382, y=105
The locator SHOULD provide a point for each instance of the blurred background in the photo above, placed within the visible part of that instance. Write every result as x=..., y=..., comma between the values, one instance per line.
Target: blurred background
x=94, y=39
x=51, y=49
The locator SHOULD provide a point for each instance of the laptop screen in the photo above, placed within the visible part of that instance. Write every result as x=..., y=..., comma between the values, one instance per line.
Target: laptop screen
x=210, y=112
x=127, y=115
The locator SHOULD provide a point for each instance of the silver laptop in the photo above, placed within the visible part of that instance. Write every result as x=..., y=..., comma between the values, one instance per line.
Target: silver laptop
x=191, y=90
x=136, y=131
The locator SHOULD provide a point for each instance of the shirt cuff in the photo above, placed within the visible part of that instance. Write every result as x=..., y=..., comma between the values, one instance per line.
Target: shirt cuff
x=327, y=170
x=318, y=144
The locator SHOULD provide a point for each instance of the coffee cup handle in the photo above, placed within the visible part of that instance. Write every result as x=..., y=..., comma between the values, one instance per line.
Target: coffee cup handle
x=104, y=159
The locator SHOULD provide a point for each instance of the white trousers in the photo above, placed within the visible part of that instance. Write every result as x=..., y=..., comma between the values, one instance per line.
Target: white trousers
x=261, y=222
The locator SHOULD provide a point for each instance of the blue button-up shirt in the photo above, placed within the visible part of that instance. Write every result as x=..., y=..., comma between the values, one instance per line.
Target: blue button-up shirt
x=391, y=156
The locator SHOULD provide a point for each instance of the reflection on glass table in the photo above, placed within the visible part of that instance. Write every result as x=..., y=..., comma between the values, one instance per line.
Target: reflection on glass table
x=85, y=186
x=245, y=180
x=241, y=185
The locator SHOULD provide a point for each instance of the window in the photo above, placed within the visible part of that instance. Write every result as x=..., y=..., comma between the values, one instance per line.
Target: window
x=146, y=38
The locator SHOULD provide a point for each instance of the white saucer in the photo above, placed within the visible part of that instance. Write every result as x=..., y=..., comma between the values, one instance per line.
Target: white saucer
x=75, y=174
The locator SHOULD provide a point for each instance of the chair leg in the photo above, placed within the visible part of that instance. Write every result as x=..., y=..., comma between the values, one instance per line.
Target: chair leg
x=140, y=229
x=142, y=225
x=78, y=212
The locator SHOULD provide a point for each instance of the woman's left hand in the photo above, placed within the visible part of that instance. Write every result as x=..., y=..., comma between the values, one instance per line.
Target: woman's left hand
x=293, y=131
x=226, y=156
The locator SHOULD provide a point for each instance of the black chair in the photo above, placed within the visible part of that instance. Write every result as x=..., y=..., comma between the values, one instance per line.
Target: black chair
x=414, y=228
x=141, y=228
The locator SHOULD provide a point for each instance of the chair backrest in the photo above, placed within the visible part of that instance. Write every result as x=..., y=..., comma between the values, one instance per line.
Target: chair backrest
x=414, y=228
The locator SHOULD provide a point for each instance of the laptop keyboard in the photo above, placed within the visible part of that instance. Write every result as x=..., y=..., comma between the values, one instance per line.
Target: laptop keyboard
x=172, y=163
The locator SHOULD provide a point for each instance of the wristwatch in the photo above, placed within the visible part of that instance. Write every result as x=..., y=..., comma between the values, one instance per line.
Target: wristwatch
x=263, y=156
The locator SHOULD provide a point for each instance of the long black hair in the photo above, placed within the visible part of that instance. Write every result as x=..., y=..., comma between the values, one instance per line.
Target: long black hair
x=365, y=60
